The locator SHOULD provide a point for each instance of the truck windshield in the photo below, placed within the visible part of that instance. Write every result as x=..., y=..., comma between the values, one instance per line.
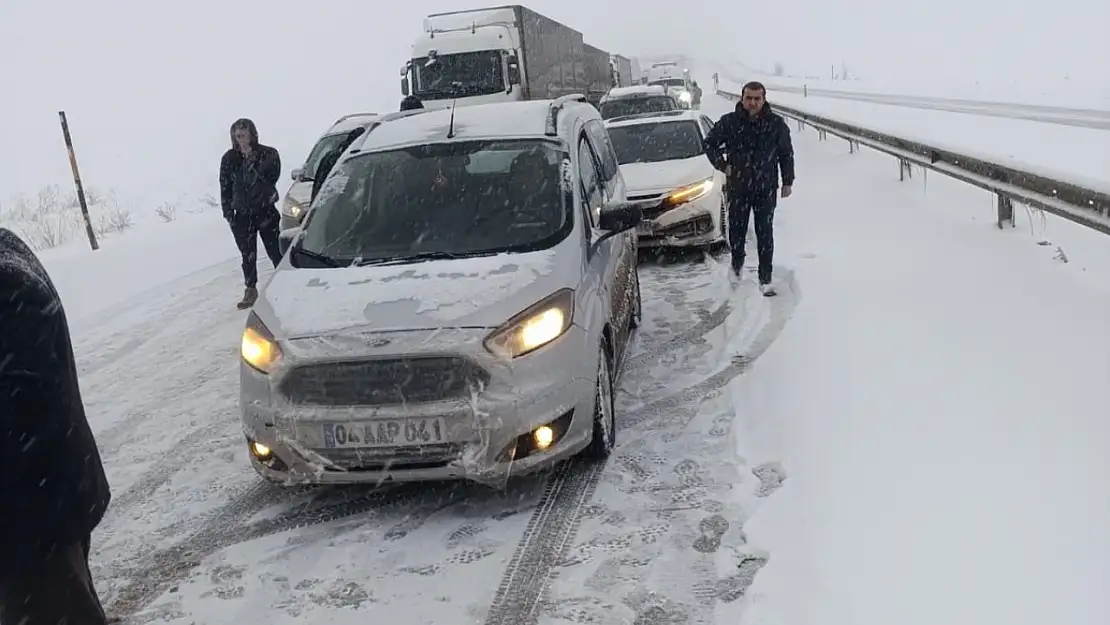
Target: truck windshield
x=635, y=106
x=448, y=199
x=652, y=143
x=459, y=75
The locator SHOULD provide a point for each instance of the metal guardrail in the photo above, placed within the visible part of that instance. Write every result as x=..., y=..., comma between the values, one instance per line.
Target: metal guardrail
x=1087, y=207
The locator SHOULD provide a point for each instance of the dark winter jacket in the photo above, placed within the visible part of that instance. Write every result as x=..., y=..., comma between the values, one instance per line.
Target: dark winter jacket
x=248, y=186
x=757, y=148
x=53, y=490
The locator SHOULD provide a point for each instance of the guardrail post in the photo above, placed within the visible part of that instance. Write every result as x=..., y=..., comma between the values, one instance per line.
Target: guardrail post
x=905, y=170
x=1005, y=211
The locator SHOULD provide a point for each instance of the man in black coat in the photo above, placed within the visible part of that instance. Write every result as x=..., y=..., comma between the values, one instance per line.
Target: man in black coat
x=751, y=146
x=249, y=173
x=331, y=158
x=53, y=491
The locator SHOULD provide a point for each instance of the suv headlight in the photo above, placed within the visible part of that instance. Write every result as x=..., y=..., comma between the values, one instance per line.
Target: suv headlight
x=538, y=325
x=292, y=208
x=690, y=193
x=259, y=348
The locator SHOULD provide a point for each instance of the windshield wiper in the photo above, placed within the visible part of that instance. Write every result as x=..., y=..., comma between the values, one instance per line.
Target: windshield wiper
x=402, y=260
x=317, y=256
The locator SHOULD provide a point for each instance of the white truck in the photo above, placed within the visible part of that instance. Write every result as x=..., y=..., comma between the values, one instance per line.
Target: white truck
x=501, y=54
x=676, y=80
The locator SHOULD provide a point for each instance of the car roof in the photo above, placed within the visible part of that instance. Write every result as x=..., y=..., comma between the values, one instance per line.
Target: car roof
x=636, y=90
x=508, y=120
x=348, y=123
x=654, y=118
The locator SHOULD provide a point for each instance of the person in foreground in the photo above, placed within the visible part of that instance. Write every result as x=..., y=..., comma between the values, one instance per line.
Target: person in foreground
x=751, y=146
x=249, y=173
x=53, y=490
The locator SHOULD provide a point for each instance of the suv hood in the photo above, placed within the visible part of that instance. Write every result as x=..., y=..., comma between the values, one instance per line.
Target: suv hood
x=481, y=292
x=665, y=175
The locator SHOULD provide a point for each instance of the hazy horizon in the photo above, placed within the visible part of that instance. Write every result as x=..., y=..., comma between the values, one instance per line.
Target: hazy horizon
x=150, y=89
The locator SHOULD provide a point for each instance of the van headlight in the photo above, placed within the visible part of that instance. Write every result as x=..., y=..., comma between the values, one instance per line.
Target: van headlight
x=259, y=348
x=538, y=325
x=685, y=96
x=690, y=193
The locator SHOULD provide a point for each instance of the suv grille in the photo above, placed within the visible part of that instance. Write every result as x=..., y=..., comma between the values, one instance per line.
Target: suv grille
x=379, y=382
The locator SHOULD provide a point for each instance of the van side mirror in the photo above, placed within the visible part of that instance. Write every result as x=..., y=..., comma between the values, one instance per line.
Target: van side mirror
x=618, y=217
x=296, y=174
x=514, y=72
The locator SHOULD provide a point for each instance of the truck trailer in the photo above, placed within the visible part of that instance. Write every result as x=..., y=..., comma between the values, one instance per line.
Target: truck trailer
x=501, y=54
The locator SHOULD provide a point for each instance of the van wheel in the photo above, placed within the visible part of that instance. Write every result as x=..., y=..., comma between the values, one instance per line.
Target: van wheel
x=605, y=422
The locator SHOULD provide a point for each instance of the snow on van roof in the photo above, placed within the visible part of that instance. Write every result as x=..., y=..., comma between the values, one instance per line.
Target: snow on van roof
x=500, y=119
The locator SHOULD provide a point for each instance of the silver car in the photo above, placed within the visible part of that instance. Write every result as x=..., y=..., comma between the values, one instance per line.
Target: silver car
x=297, y=198
x=457, y=304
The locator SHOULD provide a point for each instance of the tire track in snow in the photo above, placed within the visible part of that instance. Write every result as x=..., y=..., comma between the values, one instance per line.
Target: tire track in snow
x=554, y=524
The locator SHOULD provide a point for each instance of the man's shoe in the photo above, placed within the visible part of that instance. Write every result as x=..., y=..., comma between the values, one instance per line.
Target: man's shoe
x=767, y=289
x=250, y=296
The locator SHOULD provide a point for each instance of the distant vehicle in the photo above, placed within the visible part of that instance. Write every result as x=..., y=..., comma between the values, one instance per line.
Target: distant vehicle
x=297, y=198
x=670, y=179
x=633, y=100
x=400, y=341
x=507, y=53
x=676, y=80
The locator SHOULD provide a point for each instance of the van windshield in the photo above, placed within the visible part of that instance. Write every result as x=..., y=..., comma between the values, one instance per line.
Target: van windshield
x=459, y=198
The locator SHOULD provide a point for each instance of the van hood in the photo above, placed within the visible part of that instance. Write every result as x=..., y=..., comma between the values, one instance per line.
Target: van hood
x=480, y=292
x=665, y=175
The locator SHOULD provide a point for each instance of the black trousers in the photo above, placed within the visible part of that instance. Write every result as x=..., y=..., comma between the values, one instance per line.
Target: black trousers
x=54, y=590
x=741, y=208
x=248, y=229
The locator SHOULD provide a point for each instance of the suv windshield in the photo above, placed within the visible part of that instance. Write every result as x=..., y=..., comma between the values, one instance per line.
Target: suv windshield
x=450, y=199
x=455, y=75
x=669, y=82
x=651, y=143
x=323, y=146
x=637, y=105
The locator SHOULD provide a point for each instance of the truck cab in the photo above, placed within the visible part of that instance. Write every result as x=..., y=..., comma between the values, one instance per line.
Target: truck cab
x=473, y=56
x=675, y=80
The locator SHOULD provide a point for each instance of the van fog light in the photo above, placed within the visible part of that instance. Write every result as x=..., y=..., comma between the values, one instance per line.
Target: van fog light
x=543, y=436
x=260, y=451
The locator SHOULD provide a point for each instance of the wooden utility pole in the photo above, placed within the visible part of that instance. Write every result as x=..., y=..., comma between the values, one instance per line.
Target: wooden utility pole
x=77, y=182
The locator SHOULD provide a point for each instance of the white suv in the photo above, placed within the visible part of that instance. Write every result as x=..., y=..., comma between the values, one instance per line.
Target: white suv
x=300, y=192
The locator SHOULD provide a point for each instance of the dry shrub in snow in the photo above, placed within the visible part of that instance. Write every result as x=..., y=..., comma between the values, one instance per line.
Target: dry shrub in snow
x=167, y=211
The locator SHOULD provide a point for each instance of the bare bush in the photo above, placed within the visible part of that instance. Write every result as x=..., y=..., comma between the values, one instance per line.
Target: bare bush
x=118, y=217
x=167, y=211
x=210, y=201
x=48, y=230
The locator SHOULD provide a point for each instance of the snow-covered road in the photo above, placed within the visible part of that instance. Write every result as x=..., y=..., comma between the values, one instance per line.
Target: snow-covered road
x=920, y=439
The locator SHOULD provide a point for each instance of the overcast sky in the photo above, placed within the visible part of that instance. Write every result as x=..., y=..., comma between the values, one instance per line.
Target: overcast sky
x=151, y=87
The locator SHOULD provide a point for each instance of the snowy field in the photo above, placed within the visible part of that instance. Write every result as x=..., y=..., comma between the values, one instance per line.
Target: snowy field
x=1040, y=90
x=1080, y=155
x=912, y=432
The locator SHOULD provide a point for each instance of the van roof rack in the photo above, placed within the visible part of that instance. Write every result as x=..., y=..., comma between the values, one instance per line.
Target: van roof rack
x=556, y=106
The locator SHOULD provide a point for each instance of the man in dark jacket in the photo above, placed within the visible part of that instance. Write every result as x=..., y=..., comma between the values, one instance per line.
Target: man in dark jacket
x=53, y=491
x=249, y=172
x=331, y=158
x=751, y=146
